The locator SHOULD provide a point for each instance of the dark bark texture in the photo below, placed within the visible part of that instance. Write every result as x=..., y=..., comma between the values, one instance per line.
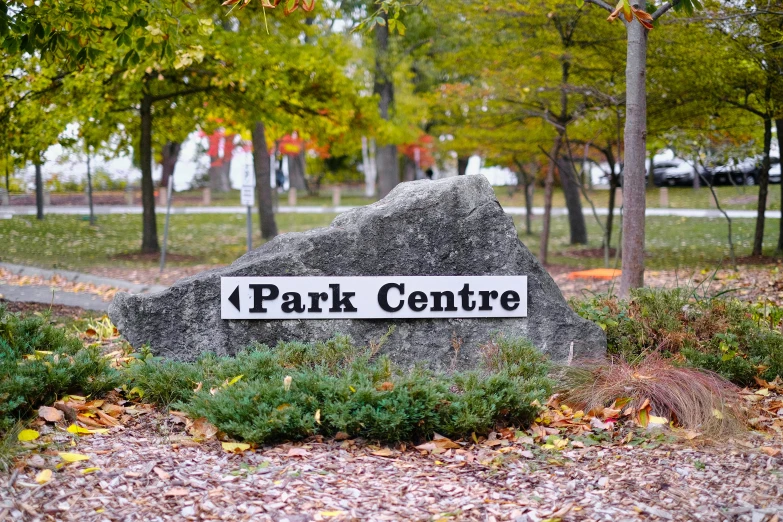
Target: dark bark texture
x=262, y=169
x=386, y=160
x=576, y=217
x=39, y=190
x=149, y=237
x=169, y=157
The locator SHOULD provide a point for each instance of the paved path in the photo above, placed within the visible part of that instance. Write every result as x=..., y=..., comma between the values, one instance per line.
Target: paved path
x=9, y=212
x=47, y=294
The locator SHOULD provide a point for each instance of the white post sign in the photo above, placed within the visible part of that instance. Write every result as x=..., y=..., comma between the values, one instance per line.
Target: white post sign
x=383, y=297
x=248, y=195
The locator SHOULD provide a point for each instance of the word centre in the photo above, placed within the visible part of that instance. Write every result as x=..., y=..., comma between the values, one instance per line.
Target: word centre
x=377, y=297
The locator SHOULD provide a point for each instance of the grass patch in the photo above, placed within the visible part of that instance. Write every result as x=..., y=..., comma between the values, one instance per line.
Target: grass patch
x=68, y=242
x=40, y=362
x=738, y=340
x=301, y=389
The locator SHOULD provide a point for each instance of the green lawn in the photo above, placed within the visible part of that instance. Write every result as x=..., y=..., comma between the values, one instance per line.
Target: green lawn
x=730, y=197
x=671, y=242
x=739, y=198
x=68, y=242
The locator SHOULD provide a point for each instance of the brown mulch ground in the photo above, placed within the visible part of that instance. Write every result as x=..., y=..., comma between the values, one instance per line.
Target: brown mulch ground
x=749, y=283
x=150, y=470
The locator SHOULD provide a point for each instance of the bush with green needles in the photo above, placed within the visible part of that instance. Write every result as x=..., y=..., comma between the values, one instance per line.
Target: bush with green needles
x=40, y=362
x=296, y=390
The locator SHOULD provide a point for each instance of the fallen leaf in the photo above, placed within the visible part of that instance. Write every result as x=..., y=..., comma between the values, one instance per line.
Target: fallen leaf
x=177, y=492
x=27, y=435
x=44, y=476
x=384, y=452
x=341, y=435
x=72, y=457
x=764, y=392
x=330, y=513
x=85, y=471
x=163, y=475
x=287, y=382
x=234, y=380
x=690, y=434
x=527, y=454
x=658, y=420
x=78, y=430
x=318, y=416
x=202, y=429
x=438, y=442
x=235, y=447
x=772, y=452
x=298, y=452
x=50, y=414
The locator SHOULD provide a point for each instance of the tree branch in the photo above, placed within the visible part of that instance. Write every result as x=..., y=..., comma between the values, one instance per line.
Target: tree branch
x=601, y=4
x=665, y=7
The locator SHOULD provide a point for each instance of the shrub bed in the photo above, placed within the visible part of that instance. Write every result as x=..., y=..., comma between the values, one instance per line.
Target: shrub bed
x=40, y=362
x=296, y=390
x=735, y=339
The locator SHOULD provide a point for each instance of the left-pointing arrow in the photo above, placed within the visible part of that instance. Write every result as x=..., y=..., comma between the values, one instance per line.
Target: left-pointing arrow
x=234, y=298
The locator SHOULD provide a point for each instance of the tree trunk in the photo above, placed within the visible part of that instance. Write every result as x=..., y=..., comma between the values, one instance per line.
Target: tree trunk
x=576, y=217
x=613, y=184
x=39, y=190
x=149, y=237
x=169, y=157
x=462, y=165
x=388, y=167
x=262, y=168
x=635, y=152
x=89, y=190
x=758, y=237
x=225, y=166
x=529, y=187
x=548, y=188
x=409, y=171
x=779, y=128
x=296, y=172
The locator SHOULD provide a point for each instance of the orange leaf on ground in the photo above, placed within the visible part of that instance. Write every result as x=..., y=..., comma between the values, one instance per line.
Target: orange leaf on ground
x=603, y=274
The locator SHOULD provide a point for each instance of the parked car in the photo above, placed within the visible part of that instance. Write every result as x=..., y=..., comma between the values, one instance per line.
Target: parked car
x=745, y=172
x=675, y=171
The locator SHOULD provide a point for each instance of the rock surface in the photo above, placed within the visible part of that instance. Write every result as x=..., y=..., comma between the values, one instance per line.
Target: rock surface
x=453, y=226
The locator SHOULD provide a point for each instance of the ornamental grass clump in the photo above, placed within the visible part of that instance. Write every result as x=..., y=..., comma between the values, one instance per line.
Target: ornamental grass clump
x=692, y=398
x=296, y=390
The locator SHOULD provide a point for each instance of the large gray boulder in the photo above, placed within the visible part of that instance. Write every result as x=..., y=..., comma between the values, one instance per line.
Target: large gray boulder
x=453, y=226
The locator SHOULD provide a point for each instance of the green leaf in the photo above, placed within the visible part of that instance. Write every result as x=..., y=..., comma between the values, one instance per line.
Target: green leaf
x=379, y=20
x=400, y=28
x=580, y=3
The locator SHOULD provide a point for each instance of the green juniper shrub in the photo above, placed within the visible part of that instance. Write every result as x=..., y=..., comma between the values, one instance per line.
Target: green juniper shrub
x=735, y=339
x=40, y=362
x=300, y=389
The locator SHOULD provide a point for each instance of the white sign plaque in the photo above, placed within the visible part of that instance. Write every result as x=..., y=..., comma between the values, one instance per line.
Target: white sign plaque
x=382, y=297
x=248, y=195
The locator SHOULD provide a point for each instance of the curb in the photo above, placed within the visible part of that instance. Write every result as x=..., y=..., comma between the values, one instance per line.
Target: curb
x=68, y=275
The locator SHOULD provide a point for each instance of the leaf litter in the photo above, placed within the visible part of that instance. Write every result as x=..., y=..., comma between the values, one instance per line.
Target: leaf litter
x=569, y=465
